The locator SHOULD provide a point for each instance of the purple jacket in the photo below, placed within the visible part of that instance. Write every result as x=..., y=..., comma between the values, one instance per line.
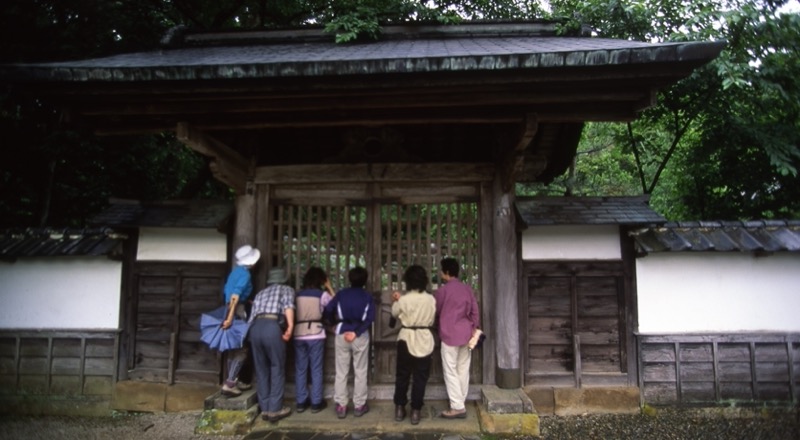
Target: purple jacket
x=456, y=312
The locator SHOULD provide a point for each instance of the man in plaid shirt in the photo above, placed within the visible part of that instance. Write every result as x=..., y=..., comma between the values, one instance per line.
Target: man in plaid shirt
x=268, y=343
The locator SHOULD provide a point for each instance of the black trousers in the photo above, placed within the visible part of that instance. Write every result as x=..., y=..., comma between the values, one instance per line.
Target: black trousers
x=410, y=367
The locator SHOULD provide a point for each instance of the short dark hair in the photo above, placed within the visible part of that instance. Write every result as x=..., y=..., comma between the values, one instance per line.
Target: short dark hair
x=314, y=278
x=450, y=266
x=416, y=278
x=357, y=276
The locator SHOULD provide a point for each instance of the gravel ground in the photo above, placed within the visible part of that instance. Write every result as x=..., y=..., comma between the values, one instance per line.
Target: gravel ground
x=123, y=426
x=667, y=424
x=706, y=424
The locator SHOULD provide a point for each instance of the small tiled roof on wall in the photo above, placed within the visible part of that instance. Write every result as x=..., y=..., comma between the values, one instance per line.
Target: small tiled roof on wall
x=720, y=236
x=542, y=211
x=49, y=242
x=168, y=214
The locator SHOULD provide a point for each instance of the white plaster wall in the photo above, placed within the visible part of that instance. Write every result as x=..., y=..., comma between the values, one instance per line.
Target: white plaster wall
x=718, y=292
x=60, y=293
x=176, y=244
x=571, y=243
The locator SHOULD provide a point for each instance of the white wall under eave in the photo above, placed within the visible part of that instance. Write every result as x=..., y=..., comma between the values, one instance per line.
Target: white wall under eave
x=571, y=243
x=60, y=293
x=182, y=244
x=718, y=292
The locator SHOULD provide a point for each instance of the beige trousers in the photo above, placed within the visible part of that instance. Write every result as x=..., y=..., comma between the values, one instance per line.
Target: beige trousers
x=357, y=352
x=455, y=367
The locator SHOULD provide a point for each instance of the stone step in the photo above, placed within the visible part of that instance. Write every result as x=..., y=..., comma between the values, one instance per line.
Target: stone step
x=243, y=402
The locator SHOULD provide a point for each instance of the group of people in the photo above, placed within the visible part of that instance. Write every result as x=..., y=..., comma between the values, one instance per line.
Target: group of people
x=279, y=314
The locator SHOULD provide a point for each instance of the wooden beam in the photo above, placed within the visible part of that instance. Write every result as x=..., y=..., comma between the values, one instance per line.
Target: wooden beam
x=228, y=175
x=409, y=99
x=227, y=165
x=247, y=121
x=389, y=172
x=512, y=162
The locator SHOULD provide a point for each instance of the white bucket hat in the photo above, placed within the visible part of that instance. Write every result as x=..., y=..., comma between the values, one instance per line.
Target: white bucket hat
x=247, y=255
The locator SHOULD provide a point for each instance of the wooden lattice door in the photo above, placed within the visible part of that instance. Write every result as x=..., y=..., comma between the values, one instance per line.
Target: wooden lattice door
x=385, y=239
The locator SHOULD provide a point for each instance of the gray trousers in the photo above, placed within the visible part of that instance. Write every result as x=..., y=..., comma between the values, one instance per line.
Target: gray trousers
x=269, y=356
x=358, y=352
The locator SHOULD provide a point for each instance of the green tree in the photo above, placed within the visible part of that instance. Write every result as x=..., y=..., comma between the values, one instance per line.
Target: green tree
x=722, y=143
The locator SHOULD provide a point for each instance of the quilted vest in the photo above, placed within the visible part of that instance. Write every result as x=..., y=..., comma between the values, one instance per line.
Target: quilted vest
x=308, y=318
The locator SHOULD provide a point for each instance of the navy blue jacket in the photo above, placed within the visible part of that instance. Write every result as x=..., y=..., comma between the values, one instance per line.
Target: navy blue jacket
x=353, y=309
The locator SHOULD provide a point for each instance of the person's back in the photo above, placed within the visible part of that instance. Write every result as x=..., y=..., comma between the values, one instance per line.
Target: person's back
x=352, y=305
x=353, y=310
x=457, y=316
x=309, y=339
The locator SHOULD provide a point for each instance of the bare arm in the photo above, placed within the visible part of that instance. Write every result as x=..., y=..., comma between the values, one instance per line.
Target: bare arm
x=289, y=313
x=231, y=309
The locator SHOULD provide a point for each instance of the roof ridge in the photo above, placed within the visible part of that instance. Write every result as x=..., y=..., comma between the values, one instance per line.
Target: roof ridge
x=182, y=36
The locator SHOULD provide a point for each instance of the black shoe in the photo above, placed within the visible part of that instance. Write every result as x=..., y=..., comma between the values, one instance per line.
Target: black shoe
x=415, y=416
x=399, y=413
x=302, y=406
x=361, y=410
x=317, y=407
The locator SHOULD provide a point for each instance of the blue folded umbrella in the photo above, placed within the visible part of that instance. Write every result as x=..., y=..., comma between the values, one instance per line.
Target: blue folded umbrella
x=217, y=338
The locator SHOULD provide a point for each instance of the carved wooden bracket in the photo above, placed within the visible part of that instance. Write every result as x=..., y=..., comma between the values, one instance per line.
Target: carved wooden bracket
x=513, y=161
x=228, y=166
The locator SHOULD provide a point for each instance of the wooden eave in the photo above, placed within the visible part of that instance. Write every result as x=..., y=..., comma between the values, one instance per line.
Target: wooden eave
x=245, y=98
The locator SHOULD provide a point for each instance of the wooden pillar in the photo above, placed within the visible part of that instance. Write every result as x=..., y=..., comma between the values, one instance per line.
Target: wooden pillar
x=488, y=274
x=505, y=283
x=245, y=229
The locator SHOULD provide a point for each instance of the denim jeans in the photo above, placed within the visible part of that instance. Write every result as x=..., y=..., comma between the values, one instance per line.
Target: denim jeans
x=309, y=358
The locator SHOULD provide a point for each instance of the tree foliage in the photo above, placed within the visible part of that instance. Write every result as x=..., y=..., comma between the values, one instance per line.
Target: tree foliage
x=722, y=143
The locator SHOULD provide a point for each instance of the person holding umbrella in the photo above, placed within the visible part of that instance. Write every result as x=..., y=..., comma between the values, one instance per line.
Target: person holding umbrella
x=271, y=326
x=237, y=290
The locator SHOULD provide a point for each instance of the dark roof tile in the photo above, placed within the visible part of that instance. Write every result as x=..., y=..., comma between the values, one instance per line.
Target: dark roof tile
x=720, y=236
x=49, y=242
x=538, y=211
x=175, y=214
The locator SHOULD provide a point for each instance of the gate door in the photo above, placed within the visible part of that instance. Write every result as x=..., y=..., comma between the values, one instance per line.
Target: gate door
x=576, y=324
x=385, y=239
x=164, y=337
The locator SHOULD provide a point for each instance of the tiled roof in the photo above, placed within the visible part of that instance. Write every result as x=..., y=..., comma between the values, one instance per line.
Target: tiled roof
x=48, y=242
x=540, y=211
x=720, y=236
x=175, y=214
x=261, y=55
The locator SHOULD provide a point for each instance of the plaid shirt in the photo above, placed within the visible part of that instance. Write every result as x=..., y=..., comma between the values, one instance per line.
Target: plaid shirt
x=273, y=299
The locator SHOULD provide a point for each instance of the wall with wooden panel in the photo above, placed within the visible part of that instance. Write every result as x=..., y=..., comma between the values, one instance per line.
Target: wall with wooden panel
x=712, y=369
x=54, y=371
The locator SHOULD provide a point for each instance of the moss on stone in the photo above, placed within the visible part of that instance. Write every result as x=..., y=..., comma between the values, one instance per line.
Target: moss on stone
x=224, y=422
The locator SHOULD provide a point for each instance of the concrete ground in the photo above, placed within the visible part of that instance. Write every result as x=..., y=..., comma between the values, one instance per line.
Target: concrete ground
x=379, y=420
